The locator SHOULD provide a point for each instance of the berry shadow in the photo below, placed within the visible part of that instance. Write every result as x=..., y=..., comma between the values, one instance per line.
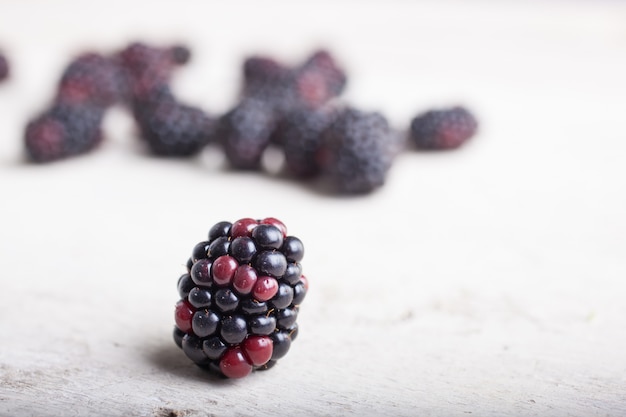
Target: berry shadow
x=171, y=359
x=213, y=161
x=275, y=169
x=318, y=185
x=22, y=161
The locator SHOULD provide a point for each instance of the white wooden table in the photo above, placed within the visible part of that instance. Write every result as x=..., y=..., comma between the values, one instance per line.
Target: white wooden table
x=489, y=281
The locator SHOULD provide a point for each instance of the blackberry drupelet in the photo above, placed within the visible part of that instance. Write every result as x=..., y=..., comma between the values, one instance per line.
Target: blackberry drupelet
x=238, y=308
x=4, y=68
x=62, y=131
x=443, y=129
x=357, y=150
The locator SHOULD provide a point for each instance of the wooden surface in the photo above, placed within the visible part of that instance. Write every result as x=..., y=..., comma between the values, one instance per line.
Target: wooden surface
x=484, y=282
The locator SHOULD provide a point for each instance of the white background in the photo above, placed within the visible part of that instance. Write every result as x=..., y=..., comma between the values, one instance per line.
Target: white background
x=488, y=281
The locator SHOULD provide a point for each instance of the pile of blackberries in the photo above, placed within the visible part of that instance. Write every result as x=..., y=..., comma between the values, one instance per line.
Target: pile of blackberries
x=295, y=108
x=240, y=297
x=137, y=77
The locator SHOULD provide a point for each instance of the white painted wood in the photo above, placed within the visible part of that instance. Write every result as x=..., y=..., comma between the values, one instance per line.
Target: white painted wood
x=488, y=281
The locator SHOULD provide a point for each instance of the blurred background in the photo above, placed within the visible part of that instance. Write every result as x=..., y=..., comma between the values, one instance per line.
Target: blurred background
x=486, y=280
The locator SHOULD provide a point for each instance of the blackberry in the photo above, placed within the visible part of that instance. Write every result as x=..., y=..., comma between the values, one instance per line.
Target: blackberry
x=244, y=133
x=143, y=106
x=282, y=88
x=149, y=67
x=4, y=68
x=357, y=150
x=299, y=134
x=265, y=79
x=271, y=90
x=319, y=80
x=238, y=313
x=72, y=125
x=443, y=129
x=92, y=78
x=63, y=130
x=170, y=128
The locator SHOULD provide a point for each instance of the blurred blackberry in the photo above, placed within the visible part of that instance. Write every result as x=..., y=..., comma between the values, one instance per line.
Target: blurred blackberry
x=319, y=80
x=357, y=150
x=264, y=76
x=299, y=134
x=144, y=105
x=171, y=128
x=240, y=300
x=4, y=68
x=310, y=84
x=62, y=131
x=244, y=132
x=149, y=67
x=443, y=129
x=92, y=78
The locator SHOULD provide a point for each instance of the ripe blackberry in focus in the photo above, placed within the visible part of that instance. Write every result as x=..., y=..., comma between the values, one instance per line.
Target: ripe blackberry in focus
x=4, y=68
x=357, y=150
x=240, y=297
x=62, y=131
x=92, y=78
x=171, y=128
x=443, y=129
x=244, y=133
x=299, y=134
